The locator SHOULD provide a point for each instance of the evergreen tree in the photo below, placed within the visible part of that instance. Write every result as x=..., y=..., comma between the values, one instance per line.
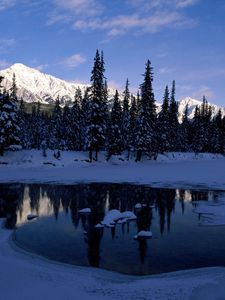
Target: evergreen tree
x=114, y=146
x=148, y=143
x=26, y=128
x=217, y=141
x=84, y=119
x=37, y=127
x=132, y=126
x=164, y=124
x=125, y=118
x=57, y=141
x=197, y=132
x=98, y=111
x=14, y=87
x=173, y=119
x=75, y=128
x=205, y=120
x=183, y=139
x=143, y=135
x=9, y=122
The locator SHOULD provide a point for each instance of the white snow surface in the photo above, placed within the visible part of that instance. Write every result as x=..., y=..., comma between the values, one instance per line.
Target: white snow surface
x=34, y=86
x=143, y=234
x=26, y=276
x=179, y=170
x=86, y=210
x=113, y=216
x=138, y=206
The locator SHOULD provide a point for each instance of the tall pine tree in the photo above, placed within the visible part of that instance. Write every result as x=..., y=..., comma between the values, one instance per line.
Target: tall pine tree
x=98, y=111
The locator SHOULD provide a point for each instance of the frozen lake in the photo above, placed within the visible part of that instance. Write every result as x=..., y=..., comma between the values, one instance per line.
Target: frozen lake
x=179, y=239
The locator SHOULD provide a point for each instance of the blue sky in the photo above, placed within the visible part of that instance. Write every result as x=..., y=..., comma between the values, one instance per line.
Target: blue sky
x=184, y=39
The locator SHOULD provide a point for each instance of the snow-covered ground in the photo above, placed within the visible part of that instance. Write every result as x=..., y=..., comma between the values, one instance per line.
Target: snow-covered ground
x=26, y=276
x=171, y=170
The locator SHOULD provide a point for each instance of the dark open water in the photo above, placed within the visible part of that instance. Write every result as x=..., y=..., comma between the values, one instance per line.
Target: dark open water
x=63, y=234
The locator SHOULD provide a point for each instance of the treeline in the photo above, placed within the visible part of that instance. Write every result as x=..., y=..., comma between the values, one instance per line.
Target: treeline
x=131, y=125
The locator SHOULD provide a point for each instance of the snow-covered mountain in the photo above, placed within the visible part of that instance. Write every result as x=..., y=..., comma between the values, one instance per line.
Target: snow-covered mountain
x=192, y=103
x=34, y=86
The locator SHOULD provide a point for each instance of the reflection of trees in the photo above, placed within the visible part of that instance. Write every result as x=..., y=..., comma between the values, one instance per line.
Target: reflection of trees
x=144, y=219
x=182, y=199
x=165, y=204
x=199, y=195
x=34, y=194
x=100, y=198
x=96, y=201
x=10, y=203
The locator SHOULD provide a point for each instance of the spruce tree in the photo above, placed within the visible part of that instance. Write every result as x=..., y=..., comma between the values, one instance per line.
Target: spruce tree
x=197, y=132
x=98, y=111
x=9, y=122
x=132, y=126
x=125, y=118
x=114, y=146
x=147, y=118
x=217, y=141
x=183, y=137
x=84, y=119
x=164, y=124
x=173, y=119
x=57, y=141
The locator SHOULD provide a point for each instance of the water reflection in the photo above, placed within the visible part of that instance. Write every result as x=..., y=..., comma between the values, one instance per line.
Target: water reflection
x=19, y=200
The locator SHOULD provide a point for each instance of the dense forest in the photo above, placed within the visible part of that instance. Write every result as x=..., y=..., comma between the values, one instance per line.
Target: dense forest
x=131, y=125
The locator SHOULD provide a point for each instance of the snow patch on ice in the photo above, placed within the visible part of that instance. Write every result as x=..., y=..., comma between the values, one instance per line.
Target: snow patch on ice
x=115, y=216
x=86, y=210
x=143, y=234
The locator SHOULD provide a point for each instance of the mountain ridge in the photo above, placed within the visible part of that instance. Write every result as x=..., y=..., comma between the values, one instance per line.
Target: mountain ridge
x=36, y=86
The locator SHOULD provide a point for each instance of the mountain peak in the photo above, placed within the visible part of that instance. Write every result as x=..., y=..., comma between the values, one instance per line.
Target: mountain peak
x=19, y=67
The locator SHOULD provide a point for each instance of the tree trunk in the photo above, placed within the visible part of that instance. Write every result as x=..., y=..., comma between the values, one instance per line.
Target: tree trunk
x=139, y=155
x=90, y=155
x=1, y=151
x=128, y=154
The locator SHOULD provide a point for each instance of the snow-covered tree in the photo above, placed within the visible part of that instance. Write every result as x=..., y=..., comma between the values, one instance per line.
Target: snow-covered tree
x=132, y=126
x=57, y=141
x=9, y=122
x=146, y=125
x=98, y=111
x=173, y=119
x=125, y=117
x=164, y=124
x=114, y=145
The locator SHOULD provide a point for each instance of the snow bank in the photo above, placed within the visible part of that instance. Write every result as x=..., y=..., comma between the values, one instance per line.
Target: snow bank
x=179, y=170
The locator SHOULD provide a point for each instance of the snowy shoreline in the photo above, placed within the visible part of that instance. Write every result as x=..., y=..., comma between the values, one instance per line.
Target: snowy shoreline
x=174, y=170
